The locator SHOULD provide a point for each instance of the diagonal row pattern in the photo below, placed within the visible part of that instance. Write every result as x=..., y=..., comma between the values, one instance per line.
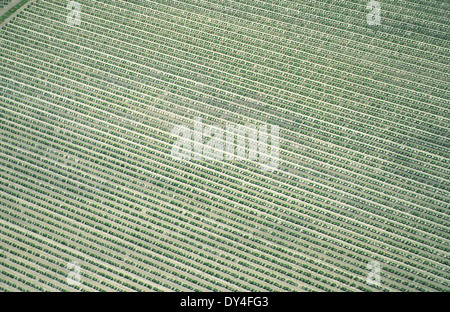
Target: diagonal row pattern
x=86, y=172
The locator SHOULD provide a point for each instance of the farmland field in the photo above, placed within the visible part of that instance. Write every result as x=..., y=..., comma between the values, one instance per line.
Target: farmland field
x=92, y=199
x=4, y=3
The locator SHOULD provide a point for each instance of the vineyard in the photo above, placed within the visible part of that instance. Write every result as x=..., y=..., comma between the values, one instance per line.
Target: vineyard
x=4, y=3
x=89, y=187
